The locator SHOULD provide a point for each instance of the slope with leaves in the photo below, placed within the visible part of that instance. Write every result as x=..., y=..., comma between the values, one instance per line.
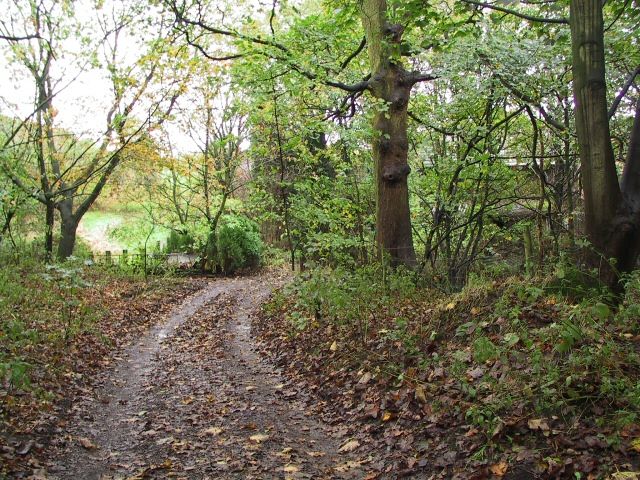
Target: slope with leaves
x=505, y=379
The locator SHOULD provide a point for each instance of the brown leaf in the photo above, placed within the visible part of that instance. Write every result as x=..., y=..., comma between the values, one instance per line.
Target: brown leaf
x=259, y=438
x=349, y=446
x=420, y=395
x=538, y=424
x=291, y=468
x=499, y=469
x=86, y=443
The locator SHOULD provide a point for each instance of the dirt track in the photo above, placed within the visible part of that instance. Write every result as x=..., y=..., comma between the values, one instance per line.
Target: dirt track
x=193, y=399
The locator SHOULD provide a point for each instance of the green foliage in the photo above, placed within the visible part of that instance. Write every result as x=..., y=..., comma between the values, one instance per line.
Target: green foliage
x=238, y=243
x=39, y=305
x=577, y=283
x=350, y=298
x=180, y=242
x=484, y=350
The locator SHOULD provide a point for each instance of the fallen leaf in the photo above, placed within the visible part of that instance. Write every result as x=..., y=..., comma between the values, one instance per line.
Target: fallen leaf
x=316, y=454
x=499, y=469
x=635, y=444
x=349, y=446
x=345, y=467
x=450, y=306
x=420, y=395
x=387, y=416
x=538, y=424
x=334, y=346
x=86, y=443
x=26, y=448
x=475, y=373
x=213, y=431
x=259, y=438
x=291, y=468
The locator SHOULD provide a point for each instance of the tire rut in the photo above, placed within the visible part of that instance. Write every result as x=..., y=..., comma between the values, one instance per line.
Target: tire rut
x=193, y=399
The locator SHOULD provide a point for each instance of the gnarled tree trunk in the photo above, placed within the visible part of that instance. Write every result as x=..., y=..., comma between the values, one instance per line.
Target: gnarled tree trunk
x=390, y=85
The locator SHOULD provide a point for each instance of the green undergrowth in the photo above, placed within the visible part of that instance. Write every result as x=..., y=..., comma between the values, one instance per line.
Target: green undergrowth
x=509, y=350
x=51, y=318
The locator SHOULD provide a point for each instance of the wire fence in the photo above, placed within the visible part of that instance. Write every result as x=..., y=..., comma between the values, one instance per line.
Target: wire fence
x=150, y=263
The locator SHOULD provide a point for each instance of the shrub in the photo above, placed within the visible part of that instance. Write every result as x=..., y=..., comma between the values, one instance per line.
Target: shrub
x=180, y=242
x=238, y=243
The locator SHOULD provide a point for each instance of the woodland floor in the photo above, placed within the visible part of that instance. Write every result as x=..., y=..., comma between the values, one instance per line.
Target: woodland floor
x=209, y=389
x=191, y=398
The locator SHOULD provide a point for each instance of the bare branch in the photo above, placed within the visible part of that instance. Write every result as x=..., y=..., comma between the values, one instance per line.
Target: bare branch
x=515, y=13
x=623, y=92
x=357, y=51
x=12, y=38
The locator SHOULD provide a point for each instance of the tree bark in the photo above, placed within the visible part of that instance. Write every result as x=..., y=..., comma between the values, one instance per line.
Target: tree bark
x=612, y=210
x=48, y=229
x=68, y=228
x=599, y=178
x=390, y=85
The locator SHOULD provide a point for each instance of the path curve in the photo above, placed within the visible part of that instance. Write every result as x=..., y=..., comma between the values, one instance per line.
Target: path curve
x=193, y=399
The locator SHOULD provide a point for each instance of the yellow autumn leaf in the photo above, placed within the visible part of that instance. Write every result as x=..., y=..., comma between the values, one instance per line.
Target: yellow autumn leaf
x=350, y=446
x=421, y=395
x=499, y=469
x=259, y=438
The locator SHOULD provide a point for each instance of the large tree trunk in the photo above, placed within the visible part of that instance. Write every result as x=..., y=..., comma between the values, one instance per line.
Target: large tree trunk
x=67, y=239
x=68, y=229
x=625, y=241
x=49, y=220
x=391, y=86
x=612, y=213
x=599, y=178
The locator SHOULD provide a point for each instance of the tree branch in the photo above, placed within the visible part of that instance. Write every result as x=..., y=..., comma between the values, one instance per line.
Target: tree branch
x=524, y=97
x=416, y=77
x=180, y=18
x=357, y=51
x=623, y=92
x=12, y=38
x=531, y=18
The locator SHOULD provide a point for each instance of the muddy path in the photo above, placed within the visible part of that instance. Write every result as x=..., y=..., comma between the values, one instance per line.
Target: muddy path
x=193, y=399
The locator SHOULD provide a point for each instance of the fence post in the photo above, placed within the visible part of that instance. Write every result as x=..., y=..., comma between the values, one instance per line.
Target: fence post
x=107, y=257
x=125, y=254
x=528, y=250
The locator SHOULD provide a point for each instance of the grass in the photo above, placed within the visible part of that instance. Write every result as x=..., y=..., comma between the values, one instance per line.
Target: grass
x=120, y=229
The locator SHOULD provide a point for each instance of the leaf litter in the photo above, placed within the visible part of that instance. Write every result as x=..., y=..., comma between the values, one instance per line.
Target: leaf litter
x=177, y=405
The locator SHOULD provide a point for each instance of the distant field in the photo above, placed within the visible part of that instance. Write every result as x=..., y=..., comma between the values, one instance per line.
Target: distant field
x=96, y=228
